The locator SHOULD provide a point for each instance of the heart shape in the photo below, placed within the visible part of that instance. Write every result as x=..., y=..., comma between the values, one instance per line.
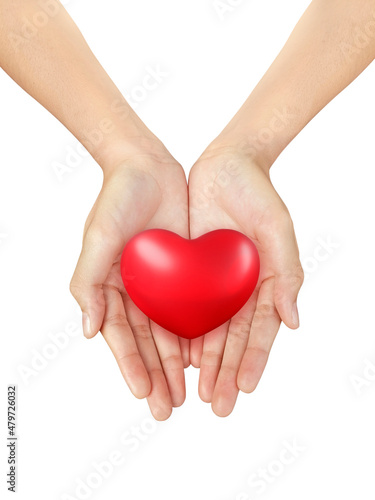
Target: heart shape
x=190, y=287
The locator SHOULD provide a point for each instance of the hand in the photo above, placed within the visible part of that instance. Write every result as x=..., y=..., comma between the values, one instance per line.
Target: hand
x=140, y=193
x=227, y=189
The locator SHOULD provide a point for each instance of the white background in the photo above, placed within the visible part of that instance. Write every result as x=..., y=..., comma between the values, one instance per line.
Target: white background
x=77, y=410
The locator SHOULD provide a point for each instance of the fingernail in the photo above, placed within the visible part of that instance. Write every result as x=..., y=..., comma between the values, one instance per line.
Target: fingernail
x=295, y=317
x=86, y=325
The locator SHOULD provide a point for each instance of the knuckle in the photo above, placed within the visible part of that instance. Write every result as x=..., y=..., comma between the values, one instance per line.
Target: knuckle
x=156, y=371
x=228, y=371
x=257, y=351
x=264, y=312
x=172, y=362
x=116, y=320
x=210, y=358
x=266, y=309
x=239, y=328
x=141, y=331
x=128, y=357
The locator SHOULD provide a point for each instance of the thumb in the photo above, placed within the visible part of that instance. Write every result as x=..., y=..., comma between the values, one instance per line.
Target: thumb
x=99, y=251
x=286, y=290
x=288, y=274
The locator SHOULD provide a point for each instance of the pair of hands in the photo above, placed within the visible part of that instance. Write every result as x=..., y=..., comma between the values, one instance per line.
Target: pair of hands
x=144, y=187
x=226, y=189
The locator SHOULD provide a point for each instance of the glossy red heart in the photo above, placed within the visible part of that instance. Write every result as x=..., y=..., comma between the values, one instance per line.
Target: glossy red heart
x=190, y=287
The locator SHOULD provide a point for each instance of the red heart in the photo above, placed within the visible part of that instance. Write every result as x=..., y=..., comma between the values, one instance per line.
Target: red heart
x=190, y=287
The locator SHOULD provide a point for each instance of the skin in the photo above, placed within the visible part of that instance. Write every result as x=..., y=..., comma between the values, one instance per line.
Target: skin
x=230, y=186
x=145, y=187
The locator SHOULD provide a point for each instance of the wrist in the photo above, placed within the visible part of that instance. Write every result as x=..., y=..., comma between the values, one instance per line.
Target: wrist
x=116, y=134
x=260, y=133
x=143, y=149
x=238, y=146
x=257, y=145
x=131, y=146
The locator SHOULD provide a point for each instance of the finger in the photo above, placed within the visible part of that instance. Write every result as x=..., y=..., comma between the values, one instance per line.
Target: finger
x=196, y=350
x=264, y=327
x=168, y=347
x=159, y=399
x=213, y=348
x=226, y=389
x=119, y=337
x=185, y=351
x=279, y=243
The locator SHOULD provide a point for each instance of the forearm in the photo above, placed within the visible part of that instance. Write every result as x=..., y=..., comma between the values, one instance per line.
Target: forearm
x=331, y=45
x=49, y=58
